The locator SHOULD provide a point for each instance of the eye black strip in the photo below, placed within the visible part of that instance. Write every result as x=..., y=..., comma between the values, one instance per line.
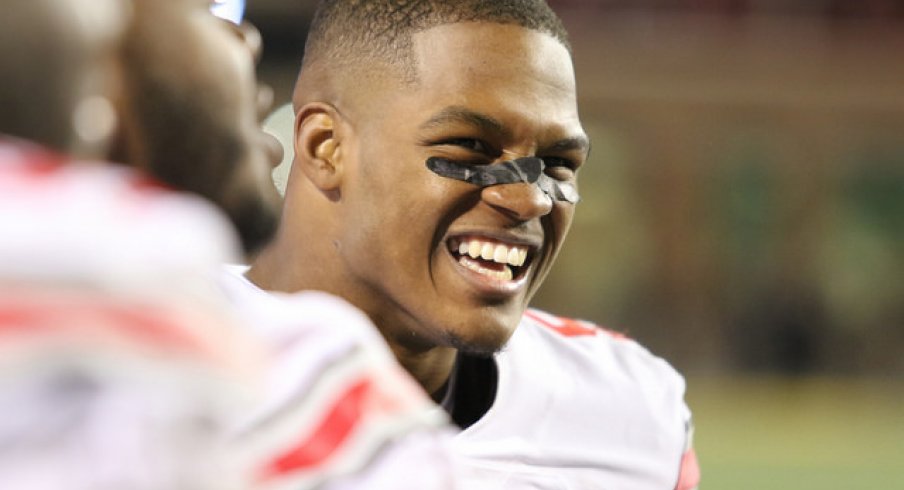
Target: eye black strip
x=526, y=169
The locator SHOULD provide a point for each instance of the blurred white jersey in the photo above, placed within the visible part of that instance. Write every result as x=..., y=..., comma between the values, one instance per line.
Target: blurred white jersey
x=579, y=408
x=340, y=413
x=118, y=361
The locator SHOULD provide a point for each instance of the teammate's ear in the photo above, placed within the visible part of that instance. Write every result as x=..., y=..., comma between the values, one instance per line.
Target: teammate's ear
x=317, y=148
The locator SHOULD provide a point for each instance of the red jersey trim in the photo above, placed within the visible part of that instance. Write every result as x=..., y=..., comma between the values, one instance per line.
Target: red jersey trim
x=327, y=438
x=37, y=164
x=34, y=160
x=144, y=325
x=569, y=327
x=689, y=474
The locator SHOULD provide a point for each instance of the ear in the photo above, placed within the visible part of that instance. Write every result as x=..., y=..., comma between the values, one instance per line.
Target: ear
x=317, y=145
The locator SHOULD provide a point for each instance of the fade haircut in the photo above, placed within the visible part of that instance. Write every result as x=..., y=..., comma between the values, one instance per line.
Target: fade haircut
x=345, y=31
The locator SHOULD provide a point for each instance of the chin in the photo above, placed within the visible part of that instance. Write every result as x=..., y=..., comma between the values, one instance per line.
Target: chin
x=482, y=340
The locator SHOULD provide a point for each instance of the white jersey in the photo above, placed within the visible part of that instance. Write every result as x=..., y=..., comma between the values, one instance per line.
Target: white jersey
x=339, y=411
x=580, y=408
x=118, y=362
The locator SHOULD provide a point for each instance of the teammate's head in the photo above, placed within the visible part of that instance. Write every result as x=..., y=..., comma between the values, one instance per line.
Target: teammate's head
x=57, y=65
x=191, y=112
x=385, y=86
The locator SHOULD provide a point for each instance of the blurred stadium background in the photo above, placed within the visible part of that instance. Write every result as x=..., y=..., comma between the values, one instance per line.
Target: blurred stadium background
x=743, y=216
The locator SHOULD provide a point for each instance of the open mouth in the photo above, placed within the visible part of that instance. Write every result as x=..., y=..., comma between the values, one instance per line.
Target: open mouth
x=492, y=259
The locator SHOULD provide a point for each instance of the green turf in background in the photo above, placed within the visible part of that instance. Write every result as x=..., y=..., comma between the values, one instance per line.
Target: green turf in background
x=802, y=434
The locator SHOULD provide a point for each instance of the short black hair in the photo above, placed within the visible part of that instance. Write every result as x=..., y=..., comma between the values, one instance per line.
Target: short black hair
x=346, y=30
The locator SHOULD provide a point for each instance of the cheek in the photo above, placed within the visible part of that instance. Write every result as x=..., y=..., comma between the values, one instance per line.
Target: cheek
x=230, y=78
x=556, y=227
x=396, y=212
x=563, y=215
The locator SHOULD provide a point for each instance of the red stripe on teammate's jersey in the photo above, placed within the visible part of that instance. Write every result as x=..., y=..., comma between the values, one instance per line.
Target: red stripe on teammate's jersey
x=36, y=164
x=29, y=162
x=142, y=324
x=689, y=474
x=332, y=432
x=36, y=161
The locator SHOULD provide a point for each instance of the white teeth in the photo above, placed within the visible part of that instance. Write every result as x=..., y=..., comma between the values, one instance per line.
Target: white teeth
x=500, y=255
x=493, y=251
x=514, y=257
x=474, y=249
x=504, y=275
x=486, y=253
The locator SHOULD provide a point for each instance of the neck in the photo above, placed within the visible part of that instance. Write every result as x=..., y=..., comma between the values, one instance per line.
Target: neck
x=431, y=369
x=429, y=364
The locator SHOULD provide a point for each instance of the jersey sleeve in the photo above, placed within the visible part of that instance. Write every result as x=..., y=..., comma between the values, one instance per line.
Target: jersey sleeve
x=112, y=373
x=339, y=411
x=689, y=468
x=643, y=389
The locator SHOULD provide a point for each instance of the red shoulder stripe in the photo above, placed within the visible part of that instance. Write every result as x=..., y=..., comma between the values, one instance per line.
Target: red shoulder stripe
x=570, y=327
x=31, y=160
x=327, y=437
x=145, y=325
x=564, y=326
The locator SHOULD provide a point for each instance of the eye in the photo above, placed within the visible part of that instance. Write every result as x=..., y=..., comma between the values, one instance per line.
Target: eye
x=471, y=144
x=559, y=168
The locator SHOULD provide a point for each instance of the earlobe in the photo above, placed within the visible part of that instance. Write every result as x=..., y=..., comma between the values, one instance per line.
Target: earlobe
x=317, y=145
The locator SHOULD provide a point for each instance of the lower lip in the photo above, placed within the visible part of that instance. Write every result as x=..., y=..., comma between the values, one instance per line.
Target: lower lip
x=487, y=285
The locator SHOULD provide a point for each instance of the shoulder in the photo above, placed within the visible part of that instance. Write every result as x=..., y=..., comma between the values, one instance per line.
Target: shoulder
x=337, y=405
x=599, y=352
x=568, y=327
x=282, y=317
x=119, y=229
x=572, y=391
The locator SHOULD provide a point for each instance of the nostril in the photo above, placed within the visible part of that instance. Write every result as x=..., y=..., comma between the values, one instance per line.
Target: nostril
x=520, y=200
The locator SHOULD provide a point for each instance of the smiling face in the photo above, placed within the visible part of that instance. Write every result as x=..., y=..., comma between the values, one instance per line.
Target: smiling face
x=435, y=260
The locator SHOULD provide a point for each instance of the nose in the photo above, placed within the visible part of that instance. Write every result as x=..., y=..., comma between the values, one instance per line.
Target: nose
x=520, y=201
x=252, y=38
x=264, y=100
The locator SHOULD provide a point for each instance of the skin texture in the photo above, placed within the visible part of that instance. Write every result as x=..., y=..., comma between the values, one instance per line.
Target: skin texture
x=366, y=220
x=64, y=101
x=192, y=111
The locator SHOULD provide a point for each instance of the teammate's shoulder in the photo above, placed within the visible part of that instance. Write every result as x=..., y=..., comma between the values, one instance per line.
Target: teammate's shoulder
x=306, y=313
x=103, y=225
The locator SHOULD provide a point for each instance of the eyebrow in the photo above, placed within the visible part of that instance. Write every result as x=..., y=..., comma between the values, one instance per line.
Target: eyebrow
x=459, y=114
x=463, y=115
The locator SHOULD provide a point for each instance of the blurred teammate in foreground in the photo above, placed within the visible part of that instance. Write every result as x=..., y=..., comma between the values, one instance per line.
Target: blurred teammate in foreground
x=437, y=148
x=112, y=373
x=114, y=272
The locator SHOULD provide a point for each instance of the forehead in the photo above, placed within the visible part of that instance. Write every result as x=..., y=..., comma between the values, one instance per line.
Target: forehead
x=494, y=67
